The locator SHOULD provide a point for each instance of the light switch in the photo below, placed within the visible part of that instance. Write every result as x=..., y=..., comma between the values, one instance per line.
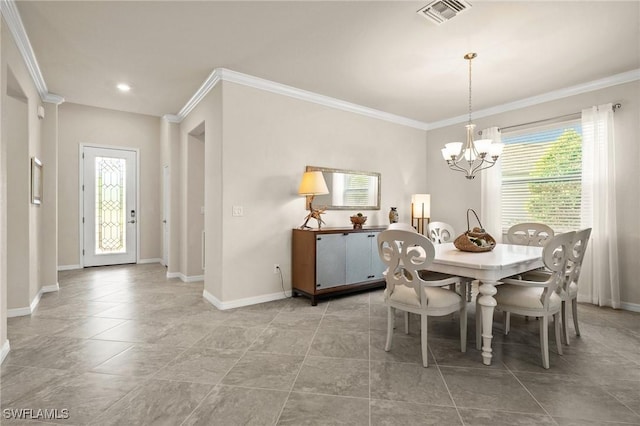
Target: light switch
x=237, y=211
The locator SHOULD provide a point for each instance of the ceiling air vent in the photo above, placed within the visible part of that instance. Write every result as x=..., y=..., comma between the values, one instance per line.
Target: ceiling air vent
x=440, y=11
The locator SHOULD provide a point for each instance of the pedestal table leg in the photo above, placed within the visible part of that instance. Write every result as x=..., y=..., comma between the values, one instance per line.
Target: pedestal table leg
x=487, y=305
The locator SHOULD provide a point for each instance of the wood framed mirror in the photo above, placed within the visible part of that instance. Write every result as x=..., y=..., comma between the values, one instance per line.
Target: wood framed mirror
x=348, y=189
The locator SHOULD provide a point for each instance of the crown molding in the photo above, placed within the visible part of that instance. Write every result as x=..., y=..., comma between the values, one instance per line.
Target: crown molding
x=603, y=83
x=293, y=92
x=14, y=22
x=172, y=118
x=223, y=74
x=53, y=99
x=205, y=88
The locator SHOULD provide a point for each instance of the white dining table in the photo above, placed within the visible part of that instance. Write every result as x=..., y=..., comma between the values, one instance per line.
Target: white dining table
x=489, y=267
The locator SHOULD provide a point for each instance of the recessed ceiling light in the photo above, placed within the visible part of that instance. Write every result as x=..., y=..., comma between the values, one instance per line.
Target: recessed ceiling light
x=123, y=87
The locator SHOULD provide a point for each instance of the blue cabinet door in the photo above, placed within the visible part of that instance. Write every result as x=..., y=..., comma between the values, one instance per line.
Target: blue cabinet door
x=330, y=260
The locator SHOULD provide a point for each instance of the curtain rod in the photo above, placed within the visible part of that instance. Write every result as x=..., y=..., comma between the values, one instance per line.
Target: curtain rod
x=500, y=129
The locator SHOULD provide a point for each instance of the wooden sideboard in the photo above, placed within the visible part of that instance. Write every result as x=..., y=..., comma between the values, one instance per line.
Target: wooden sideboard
x=333, y=261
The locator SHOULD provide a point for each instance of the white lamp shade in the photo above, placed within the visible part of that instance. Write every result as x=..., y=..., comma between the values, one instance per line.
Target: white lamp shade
x=482, y=145
x=496, y=149
x=469, y=155
x=453, y=148
x=445, y=154
x=421, y=205
x=313, y=183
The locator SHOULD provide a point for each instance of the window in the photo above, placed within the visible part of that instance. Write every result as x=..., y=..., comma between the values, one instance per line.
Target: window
x=351, y=189
x=358, y=190
x=541, y=176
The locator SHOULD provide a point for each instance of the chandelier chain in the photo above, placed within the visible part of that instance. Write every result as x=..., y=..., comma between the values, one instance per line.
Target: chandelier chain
x=470, y=59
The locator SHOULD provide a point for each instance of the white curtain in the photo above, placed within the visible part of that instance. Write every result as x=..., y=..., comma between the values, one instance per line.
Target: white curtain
x=491, y=187
x=599, y=279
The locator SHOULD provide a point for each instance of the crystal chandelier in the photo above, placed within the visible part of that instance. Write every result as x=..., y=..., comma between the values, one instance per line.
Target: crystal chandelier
x=475, y=155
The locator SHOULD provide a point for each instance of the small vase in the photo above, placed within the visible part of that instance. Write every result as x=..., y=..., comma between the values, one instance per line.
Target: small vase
x=393, y=215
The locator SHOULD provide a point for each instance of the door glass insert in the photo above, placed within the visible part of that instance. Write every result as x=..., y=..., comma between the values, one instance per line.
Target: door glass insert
x=111, y=232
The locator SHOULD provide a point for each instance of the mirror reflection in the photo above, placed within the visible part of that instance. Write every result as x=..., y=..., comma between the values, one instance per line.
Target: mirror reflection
x=349, y=189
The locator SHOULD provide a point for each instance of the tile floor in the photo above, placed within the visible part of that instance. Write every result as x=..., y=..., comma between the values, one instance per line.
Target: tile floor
x=125, y=346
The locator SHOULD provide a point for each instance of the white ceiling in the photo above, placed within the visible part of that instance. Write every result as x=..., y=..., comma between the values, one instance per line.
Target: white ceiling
x=377, y=54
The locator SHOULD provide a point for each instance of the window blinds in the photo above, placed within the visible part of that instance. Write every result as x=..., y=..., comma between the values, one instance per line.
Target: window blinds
x=541, y=176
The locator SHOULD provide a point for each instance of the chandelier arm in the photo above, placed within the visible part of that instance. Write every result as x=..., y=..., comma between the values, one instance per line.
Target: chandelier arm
x=478, y=168
x=457, y=168
x=471, y=171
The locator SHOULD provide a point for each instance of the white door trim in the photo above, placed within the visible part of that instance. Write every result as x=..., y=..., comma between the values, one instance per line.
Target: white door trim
x=139, y=218
x=166, y=213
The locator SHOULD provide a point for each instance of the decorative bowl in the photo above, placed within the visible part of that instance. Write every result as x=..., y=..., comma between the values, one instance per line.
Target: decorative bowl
x=358, y=221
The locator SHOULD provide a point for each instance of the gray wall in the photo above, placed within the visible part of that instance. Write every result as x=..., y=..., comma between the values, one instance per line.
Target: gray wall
x=26, y=275
x=80, y=124
x=257, y=148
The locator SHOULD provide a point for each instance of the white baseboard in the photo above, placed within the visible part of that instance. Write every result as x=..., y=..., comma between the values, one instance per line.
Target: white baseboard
x=21, y=312
x=35, y=301
x=4, y=351
x=68, y=267
x=27, y=310
x=152, y=260
x=212, y=299
x=238, y=303
x=634, y=307
x=184, y=278
x=50, y=288
x=72, y=267
x=18, y=312
x=193, y=278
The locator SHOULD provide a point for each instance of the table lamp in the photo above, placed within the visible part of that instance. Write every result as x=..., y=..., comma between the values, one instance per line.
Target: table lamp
x=313, y=184
x=420, y=210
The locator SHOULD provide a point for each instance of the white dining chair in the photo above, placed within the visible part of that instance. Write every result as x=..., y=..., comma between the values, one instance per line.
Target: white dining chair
x=540, y=295
x=570, y=285
x=412, y=288
x=442, y=232
x=576, y=256
x=402, y=226
x=530, y=234
x=410, y=228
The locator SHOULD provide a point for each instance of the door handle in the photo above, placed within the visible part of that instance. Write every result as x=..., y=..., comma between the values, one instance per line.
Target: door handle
x=132, y=221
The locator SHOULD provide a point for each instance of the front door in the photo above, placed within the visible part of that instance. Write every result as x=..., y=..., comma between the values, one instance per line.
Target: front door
x=110, y=214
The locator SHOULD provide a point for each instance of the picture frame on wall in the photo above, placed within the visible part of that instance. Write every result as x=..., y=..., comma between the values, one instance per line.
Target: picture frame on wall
x=36, y=181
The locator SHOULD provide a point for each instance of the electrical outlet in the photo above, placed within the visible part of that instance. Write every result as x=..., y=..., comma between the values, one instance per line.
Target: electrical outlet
x=276, y=268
